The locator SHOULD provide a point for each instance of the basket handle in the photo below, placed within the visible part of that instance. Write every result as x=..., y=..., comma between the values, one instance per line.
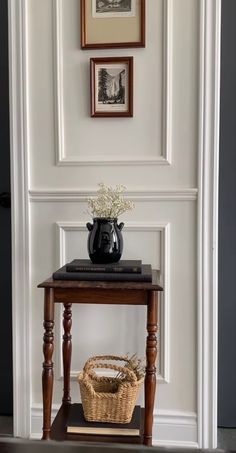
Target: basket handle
x=123, y=369
x=91, y=364
x=95, y=358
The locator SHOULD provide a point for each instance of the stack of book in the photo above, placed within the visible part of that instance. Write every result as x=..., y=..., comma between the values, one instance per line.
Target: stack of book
x=124, y=270
x=76, y=424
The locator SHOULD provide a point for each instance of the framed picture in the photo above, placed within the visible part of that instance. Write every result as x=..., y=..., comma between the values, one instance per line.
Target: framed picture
x=112, y=23
x=111, y=86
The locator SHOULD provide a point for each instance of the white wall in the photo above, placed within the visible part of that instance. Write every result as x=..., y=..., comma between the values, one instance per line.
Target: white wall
x=155, y=154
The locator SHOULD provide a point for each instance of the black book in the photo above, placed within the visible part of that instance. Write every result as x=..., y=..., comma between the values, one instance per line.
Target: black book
x=77, y=424
x=144, y=276
x=126, y=266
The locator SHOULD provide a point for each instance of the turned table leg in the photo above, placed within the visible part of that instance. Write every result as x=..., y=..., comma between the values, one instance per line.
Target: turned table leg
x=150, y=377
x=47, y=375
x=66, y=352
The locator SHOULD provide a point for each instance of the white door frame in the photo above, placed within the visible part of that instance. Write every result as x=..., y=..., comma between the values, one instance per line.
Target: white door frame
x=209, y=100
x=209, y=110
x=19, y=217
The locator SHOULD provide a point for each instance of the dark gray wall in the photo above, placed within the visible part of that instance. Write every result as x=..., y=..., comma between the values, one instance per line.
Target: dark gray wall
x=227, y=221
x=5, y=224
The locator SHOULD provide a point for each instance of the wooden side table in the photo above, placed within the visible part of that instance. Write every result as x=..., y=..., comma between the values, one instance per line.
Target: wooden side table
x=91, y=292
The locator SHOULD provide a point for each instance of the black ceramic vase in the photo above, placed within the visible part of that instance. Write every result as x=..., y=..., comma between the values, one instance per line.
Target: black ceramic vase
x=105, y=241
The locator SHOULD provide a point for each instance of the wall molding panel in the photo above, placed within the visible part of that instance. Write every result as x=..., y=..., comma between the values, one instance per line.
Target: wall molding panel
x=164, y=229
x=26, y=27
x=61, y=157
x=167, y=82
x=185, y=194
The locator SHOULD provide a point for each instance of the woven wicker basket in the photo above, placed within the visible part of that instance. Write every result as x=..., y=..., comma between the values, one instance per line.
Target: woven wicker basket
x=108, y=399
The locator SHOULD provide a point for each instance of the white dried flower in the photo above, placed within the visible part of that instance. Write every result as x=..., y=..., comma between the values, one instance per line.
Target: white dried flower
x=109, y=202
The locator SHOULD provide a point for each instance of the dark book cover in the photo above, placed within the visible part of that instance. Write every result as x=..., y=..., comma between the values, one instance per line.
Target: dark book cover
x=144, y=276
x=76, y=423
x=126, y=266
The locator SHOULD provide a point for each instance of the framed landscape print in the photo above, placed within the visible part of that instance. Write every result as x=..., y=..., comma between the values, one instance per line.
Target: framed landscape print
x=112, y=23
x=111, y=86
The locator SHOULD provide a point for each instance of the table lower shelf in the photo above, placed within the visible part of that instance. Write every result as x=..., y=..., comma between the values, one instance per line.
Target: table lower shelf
x=58, y=431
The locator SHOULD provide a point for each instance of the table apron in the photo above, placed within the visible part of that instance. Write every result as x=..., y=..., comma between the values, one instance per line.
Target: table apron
x=101, y=296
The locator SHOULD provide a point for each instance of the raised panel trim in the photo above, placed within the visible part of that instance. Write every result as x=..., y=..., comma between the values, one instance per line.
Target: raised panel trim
x=61, y=158
x=48, y=195
x=164, y=229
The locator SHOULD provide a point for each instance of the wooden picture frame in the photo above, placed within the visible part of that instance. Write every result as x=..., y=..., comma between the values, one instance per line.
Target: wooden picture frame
x=111, y=86
x=105, y=26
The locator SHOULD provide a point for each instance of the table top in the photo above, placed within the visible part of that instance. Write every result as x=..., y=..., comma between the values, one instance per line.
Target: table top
x=74, y=284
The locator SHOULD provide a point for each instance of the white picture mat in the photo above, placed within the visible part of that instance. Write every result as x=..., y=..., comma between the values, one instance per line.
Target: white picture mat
x=109, y=107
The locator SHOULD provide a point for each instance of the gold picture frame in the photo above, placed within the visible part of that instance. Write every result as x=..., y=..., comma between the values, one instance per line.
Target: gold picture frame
x=105, y=24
